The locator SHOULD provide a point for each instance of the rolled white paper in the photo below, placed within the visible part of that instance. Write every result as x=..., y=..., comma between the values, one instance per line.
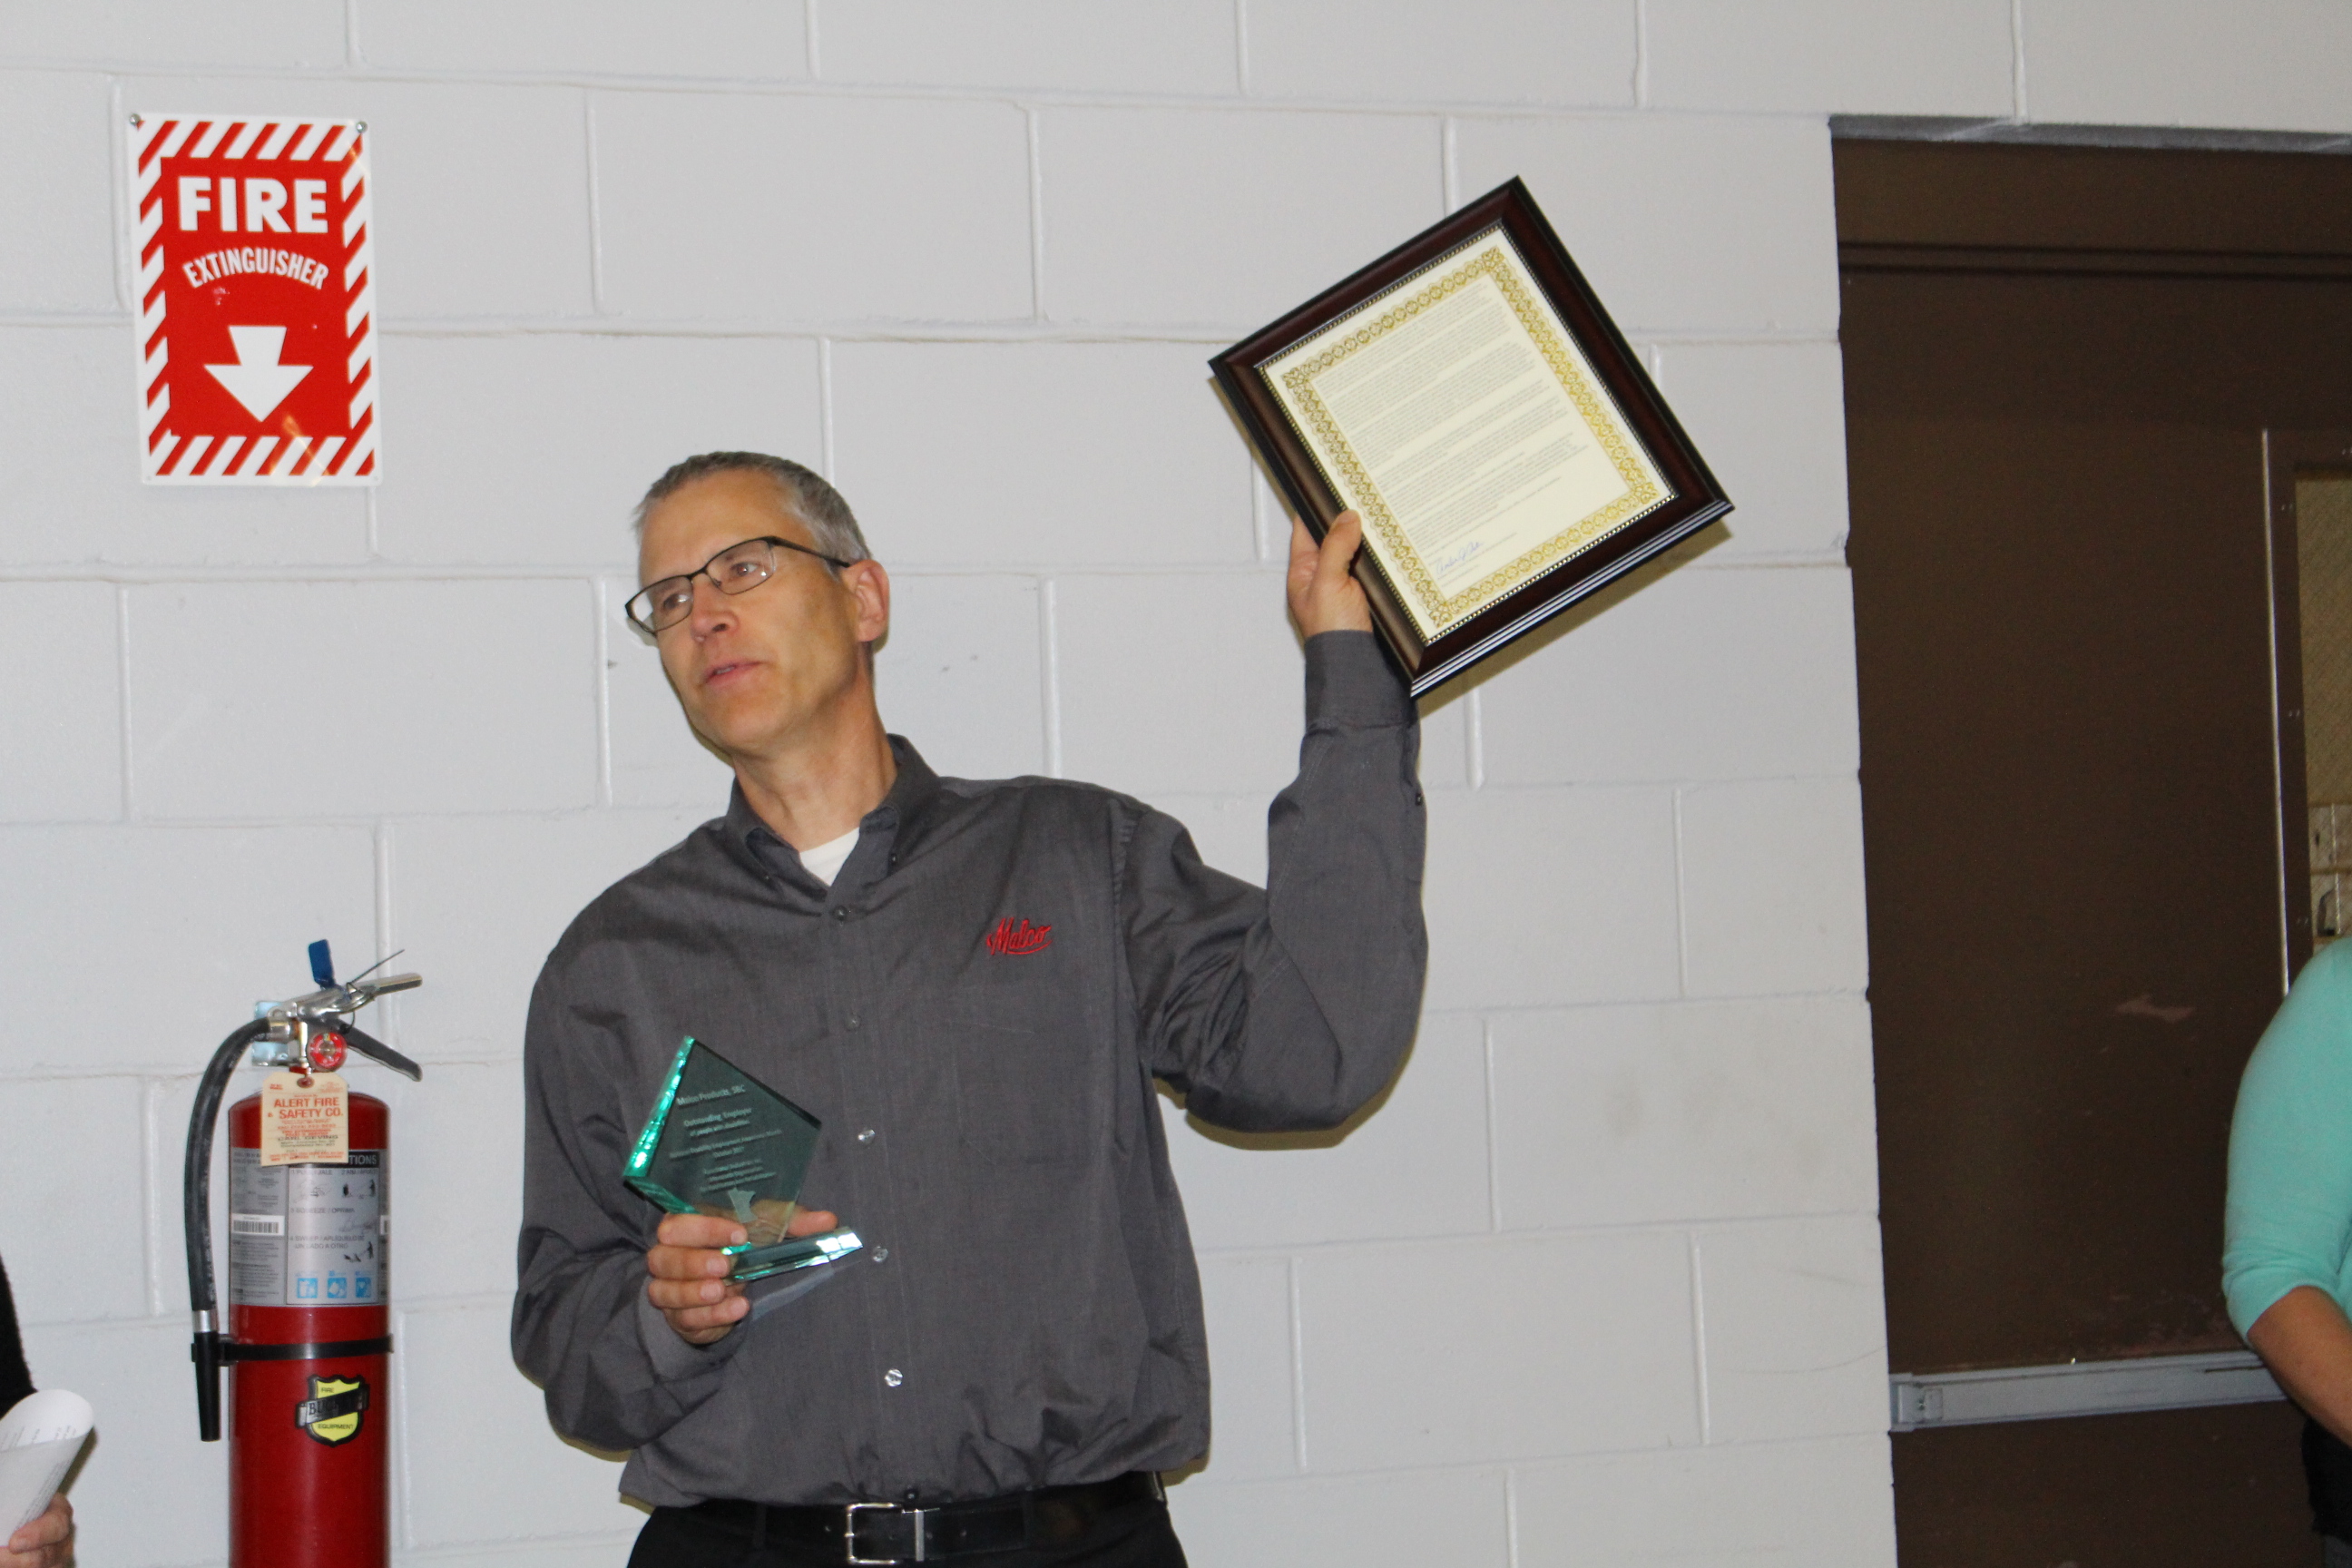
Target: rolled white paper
x=38, y=1439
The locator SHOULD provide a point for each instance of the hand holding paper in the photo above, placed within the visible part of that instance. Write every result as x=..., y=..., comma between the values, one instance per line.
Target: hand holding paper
x=39, y=1438
x=47, y=1542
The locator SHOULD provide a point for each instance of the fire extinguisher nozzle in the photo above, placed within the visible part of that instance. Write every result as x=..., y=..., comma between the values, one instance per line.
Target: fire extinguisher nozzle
x=205, y=1351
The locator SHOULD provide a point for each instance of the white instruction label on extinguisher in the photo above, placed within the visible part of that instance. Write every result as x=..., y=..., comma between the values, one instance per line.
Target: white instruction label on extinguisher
x=307, y=1236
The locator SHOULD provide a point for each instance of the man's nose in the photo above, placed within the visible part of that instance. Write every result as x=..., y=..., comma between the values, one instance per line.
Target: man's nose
x=712, y=609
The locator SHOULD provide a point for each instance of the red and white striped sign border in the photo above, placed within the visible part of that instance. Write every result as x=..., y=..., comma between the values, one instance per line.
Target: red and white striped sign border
x=338, y=148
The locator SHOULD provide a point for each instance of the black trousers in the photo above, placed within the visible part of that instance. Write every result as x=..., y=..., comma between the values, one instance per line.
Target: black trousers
x=1135, y=1536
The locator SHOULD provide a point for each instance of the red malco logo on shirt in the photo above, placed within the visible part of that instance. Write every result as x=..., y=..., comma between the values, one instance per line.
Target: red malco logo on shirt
x=1013, y=940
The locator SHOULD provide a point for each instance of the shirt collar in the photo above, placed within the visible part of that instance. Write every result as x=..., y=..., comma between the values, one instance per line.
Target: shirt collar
x=917, y=788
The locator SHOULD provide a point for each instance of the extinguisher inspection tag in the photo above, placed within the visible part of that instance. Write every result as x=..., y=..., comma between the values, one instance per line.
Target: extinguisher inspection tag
x=304, y=1123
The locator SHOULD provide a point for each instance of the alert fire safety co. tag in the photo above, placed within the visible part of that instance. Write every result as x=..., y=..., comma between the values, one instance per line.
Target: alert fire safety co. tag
x=306, y=1120
x=256, y=299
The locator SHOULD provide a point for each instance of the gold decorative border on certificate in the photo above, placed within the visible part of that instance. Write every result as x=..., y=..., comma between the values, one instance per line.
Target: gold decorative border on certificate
x=1439, y=609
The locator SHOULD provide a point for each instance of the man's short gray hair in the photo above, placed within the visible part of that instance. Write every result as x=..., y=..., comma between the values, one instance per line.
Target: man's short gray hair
x=833, y=527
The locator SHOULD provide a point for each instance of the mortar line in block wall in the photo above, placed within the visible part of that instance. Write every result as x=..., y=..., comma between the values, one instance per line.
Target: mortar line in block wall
x=404, y=1469
x=1186, y=334
x=119, y=226
x=122, y=693
x=1698, y=1343
x=1682, y=904
x=116, y=320
x=824, y=406
x=1449, y=162
x=1511, y=1516
x=809, y=38
x=1049, y=665
x=1030, y=118
x=1494, y=1131
x=1489, y=1467
x=380, y=846
x=1641, y=82
x=305, y=824
x=1676, y=781
x=151, y=1145
x=1729, y=999
x=1297, y=1367
x=926, y=92
x=2019, y=103
x=592, y=173
x=601, y=598
x=600, y=1546
x=1241, y=49
x=1421, y=1246
x=351, y=53
x=1018, y=331
x=1473, y=738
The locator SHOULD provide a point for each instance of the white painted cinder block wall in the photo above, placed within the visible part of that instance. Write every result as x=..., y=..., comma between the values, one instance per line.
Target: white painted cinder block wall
x=1599, y=1283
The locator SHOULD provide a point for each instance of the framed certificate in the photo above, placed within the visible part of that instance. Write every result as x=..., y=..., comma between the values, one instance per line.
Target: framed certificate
x=1469, y=397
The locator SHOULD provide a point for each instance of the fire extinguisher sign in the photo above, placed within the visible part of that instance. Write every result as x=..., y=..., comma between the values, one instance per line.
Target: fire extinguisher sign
x=257, y=300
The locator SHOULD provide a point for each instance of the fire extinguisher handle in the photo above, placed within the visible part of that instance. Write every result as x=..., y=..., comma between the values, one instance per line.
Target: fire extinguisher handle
x=368, y=1046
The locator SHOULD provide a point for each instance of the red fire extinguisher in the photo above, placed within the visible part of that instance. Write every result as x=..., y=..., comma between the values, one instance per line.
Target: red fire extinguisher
x=309, y=1327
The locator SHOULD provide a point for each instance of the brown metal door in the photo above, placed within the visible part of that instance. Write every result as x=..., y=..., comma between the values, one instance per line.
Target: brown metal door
x=2060, y=366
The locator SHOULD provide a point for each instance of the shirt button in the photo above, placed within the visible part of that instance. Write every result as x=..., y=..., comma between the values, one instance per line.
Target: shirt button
x=866, y=1136
x=853, y=1020
x=840, y=914
x=881, y=1255
x=894, y=1377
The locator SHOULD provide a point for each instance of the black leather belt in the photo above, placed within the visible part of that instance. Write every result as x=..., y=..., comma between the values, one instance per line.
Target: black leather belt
x=883, y=1533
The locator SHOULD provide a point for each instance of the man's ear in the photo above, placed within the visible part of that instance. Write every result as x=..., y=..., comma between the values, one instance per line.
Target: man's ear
x=871, y=584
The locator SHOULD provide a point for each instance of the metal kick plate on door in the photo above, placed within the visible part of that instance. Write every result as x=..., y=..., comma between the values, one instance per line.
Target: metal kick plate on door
x=2076, y=1388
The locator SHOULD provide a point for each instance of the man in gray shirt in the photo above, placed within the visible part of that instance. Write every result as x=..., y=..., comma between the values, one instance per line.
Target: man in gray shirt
x=973, y=984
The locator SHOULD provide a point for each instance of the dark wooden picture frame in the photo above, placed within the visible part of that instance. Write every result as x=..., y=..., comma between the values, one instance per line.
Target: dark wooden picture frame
x=2285, y=455
x=1698, y=500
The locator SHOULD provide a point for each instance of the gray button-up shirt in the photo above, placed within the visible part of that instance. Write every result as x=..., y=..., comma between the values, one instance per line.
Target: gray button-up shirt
x=1026, y=1311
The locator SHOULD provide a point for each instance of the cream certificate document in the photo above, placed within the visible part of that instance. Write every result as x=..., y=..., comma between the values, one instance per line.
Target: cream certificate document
x=1457, y=415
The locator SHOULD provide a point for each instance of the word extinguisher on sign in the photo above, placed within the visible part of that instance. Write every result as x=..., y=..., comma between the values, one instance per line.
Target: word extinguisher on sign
x=257, y=300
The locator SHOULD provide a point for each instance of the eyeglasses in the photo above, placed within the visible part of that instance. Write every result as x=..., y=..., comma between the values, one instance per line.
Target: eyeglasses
x=737, y=568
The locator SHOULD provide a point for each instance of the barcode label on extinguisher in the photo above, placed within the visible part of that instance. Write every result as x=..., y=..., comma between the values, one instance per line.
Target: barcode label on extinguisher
x=257, y=1225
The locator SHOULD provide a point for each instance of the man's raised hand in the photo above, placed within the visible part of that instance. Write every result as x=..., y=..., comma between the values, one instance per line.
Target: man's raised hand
x=1324, y=596
x=690, y=1281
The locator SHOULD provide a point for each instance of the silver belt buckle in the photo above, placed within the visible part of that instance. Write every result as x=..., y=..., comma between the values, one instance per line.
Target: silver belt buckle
x=849, y=1534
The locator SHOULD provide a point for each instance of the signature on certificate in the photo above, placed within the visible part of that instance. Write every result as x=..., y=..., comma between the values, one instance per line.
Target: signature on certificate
x=1457, y=555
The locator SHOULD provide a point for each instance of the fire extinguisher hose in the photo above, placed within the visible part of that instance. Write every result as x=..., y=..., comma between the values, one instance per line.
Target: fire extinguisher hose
x=196, y=1189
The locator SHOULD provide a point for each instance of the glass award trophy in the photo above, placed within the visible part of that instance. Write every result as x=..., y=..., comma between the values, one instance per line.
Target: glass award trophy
x=721, y=1143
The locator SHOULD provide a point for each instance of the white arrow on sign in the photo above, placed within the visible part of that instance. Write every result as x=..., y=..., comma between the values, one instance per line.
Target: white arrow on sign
x=257, y=379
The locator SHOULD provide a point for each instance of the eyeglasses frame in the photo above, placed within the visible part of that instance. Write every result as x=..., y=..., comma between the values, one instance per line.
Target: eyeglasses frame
x=645, y=624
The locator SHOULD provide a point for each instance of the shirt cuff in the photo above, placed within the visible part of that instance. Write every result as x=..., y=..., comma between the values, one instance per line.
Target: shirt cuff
x=1350, y=683
x=674, y=1361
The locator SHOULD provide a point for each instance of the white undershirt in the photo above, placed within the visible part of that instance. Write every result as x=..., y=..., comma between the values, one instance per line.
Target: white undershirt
x=825, y=861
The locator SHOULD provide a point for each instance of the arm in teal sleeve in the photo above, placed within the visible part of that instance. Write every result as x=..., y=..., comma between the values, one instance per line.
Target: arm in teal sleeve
x=2289, y=1213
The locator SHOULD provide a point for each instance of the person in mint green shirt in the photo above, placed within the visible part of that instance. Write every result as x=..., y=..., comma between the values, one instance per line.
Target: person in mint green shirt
x=2287, y=1262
